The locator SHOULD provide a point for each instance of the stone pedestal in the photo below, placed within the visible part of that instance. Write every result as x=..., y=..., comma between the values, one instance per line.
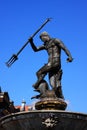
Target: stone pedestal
x=50, y=101
x=51, y=104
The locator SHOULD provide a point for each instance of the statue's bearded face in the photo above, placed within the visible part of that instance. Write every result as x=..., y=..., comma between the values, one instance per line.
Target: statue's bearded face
x=45, y=38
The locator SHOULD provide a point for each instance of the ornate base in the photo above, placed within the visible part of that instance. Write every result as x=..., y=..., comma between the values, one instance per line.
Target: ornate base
x=50, y=101
x=51, y=104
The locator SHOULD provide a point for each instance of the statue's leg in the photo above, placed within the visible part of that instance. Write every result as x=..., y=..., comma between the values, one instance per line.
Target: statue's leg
x=47, y=68
x=55, y=77
x=40, y=75
x=52, y=80
x=58, y=91
x=55, y=82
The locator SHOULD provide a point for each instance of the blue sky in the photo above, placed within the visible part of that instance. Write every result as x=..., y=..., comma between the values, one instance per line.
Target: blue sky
x=19, y=19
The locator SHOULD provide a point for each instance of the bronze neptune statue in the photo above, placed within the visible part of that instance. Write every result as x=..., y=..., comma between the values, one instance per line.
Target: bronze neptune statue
x=53, y=46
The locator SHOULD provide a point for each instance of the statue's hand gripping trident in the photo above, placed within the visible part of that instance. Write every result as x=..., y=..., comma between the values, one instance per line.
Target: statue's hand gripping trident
x=15, y=56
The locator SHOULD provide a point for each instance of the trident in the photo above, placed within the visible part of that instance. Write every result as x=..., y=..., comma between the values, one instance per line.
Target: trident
x=15, y=56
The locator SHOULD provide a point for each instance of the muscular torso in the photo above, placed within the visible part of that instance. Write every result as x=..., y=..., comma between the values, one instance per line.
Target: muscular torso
x=54, y=52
